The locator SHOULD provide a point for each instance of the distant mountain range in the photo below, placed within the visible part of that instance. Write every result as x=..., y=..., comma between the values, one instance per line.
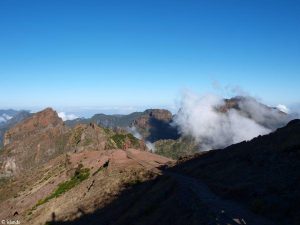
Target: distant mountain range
x=9, y=118
x=109, y=121
x=156, y=126
x=151, y=125
x=6, y=115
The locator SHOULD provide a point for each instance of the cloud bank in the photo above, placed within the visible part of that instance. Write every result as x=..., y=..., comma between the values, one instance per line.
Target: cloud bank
x=64, y=116
x=283, y=108
x=216, y=123
x=4, y=117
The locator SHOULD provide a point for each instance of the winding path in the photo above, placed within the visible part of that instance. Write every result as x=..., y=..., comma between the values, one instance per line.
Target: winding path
x=226, y=212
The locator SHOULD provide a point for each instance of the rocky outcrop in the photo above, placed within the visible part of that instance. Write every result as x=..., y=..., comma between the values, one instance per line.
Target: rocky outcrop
x=144, y=121
x=33, y=142
x=156, y=124
x=47, y=118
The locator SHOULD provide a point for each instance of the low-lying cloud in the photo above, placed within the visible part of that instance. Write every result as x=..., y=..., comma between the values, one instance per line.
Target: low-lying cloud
x=214, y=124
x=283, y=108
x=4, y=117
x=64, y=116
x=134, y=131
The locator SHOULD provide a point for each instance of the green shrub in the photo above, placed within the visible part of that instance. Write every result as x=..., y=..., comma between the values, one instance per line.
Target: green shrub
x=121, y=139
x=107, y=130
x=80, y=175
x=133, y=140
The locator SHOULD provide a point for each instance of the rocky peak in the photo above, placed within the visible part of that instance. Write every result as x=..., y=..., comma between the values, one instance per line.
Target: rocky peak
x=160, y=114
x=155, y=124
x=232, y=103
x=45, y=118
x=41, y=120
x=152, y=114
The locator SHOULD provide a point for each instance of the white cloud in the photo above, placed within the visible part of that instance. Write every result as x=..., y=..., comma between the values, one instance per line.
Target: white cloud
x=4, y=117
x=135, y=132
x=283, y=108
x=198, y=116
x=64, y=116
x=150, y=146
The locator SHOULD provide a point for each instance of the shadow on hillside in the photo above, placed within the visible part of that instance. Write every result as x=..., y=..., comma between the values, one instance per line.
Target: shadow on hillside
x=161, y=130
x=160, y=201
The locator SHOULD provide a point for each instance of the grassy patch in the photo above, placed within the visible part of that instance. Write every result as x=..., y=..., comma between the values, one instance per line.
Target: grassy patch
x=107, y=130
x=134, y=141
x=121, y=139
x=176, y=148
x=80, y=175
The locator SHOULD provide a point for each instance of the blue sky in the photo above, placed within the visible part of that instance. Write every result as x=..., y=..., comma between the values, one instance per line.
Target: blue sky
x=136, y=54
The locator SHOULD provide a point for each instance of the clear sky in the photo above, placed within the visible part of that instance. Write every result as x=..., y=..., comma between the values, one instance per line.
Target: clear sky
x=142, y=53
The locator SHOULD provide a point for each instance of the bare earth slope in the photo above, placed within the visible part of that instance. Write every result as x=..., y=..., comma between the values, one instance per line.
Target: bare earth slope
x=108, y=173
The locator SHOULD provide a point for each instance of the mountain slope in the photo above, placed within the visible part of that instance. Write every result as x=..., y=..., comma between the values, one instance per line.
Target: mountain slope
x=71, y=185
x=262, y=173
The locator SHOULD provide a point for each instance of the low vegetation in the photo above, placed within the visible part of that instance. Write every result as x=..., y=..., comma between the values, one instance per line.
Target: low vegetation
x=80, y=175
x=176, y=149
x=121, y=140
